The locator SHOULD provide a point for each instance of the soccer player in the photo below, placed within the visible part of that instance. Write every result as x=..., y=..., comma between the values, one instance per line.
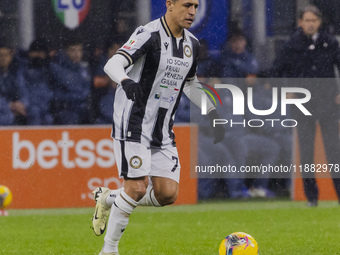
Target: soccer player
x=153, y=69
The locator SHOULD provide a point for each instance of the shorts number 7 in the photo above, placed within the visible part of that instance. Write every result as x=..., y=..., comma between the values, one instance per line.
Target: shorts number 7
x=176, y=164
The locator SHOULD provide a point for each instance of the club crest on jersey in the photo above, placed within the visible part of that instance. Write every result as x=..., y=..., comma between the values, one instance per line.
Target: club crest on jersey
x=136, y=162
x=157, y=96
x=71, y=13
x=187, y=51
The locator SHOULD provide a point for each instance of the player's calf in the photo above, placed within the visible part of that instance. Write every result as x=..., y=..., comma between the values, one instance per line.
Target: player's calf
x=166, y=198
x=165, y=190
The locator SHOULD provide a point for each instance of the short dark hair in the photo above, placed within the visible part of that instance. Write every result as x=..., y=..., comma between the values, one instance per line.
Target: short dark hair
x=72, y=41
x=236, y=34
x=3, y=44
x=310, y=8
x=116, y=40
x=39, y=45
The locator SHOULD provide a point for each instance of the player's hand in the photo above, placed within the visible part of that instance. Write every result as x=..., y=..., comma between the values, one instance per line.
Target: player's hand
x=133, y=90
x=218, y=130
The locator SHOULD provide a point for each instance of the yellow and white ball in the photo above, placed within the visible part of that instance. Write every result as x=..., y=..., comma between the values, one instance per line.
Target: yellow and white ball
x=5, y=197
x=239, y=243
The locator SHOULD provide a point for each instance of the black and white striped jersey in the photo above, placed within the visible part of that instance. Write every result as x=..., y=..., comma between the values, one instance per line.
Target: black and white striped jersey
x=161, y=64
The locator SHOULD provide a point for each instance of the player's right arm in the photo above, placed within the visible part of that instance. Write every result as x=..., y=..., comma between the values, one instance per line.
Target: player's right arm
x=138, y=45
x=115, y=69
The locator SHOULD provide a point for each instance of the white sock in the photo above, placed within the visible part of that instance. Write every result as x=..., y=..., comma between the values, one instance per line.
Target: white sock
x=113, y=195
x=149, y=199
x=121, y=209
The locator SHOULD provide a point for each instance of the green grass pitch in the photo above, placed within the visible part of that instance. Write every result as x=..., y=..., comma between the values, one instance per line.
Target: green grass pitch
x=280, y=227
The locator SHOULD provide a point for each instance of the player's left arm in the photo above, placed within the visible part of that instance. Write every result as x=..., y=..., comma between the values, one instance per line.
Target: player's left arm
x=191, y=82
x=193, y=90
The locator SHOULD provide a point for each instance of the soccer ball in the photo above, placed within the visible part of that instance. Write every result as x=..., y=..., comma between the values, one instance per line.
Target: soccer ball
x=239, y=243
x=5, y=197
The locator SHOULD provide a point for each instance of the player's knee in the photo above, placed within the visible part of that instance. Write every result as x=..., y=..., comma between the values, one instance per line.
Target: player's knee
x=135, y=188
x=139, y=193
x=167, y=197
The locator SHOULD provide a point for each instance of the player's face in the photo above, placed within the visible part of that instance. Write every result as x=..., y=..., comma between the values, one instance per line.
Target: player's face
x=75, y=53
x=183, y=12
x=310, y=23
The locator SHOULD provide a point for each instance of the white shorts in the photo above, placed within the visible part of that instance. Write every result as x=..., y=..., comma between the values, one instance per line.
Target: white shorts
x=136, y=160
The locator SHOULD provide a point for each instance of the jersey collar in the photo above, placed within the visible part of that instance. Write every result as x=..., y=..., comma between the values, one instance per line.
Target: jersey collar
x=168, y=31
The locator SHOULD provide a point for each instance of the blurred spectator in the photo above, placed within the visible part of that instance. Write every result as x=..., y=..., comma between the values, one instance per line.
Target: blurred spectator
x=104, y=88
x=262, y=148
x=312, y=53
x=206, y=64
x=38, y=84
x=6, y=116
x=235, y=149
x=106, y=105
x=231, y=151
x=71, y=81
x=100, y=81
x=236, y=61
x=283, y=136
x=122, y=30
x=52, y=51
x=100, y=57
x=12, y=84
x=113, y=47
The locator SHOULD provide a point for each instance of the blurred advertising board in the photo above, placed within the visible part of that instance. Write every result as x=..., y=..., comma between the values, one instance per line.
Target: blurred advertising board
x=54, y=167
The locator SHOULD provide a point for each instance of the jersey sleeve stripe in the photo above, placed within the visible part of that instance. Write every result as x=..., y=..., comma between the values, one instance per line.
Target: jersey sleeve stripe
x=126, y=55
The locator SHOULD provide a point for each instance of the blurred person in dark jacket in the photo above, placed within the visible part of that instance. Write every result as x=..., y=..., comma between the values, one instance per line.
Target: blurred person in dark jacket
x=71, y=81
x=6, y=116
x=236, y=61
x=103, y=90
x=206, y=63
x=12, y=84
x=266, y=143
x=312, y=53
x=232, y=151
x=38, y=84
